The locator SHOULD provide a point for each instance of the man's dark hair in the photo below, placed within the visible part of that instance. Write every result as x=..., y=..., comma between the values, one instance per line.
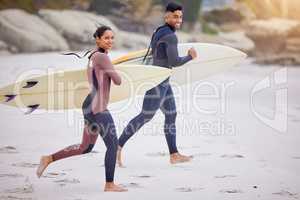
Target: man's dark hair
x=172, y=7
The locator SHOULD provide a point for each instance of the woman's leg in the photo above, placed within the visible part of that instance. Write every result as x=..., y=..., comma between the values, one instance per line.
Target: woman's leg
x=107, y=131
x=88, y=141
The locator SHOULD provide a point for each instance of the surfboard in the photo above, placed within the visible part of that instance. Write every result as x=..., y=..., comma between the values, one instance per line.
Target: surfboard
x=212, y=59
x=67, y=90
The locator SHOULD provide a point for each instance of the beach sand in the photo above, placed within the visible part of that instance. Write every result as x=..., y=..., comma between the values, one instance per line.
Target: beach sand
x=237, y=154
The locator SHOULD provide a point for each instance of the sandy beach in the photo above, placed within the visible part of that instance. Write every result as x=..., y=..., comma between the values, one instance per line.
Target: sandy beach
x=240, y=150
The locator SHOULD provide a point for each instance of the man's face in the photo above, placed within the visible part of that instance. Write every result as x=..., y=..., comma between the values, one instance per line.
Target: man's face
x=174, y=19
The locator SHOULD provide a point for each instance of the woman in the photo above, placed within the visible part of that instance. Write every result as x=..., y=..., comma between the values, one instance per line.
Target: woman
x=98, y=119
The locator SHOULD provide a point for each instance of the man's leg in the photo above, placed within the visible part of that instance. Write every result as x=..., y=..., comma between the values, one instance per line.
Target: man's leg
x=168, y=107
x=151, y=103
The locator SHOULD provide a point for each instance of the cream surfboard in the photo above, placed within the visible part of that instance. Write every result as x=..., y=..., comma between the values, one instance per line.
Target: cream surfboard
x=68, y=90
x=212, y=59
x=58, y=90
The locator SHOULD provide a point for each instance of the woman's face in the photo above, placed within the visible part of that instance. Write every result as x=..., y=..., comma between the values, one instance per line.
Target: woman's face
x=106, y=40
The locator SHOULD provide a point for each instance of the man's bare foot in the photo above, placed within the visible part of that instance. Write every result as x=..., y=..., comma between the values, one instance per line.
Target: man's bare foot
x=111, y=187
x=44, y=162
x=119, y=157
x=178, y=158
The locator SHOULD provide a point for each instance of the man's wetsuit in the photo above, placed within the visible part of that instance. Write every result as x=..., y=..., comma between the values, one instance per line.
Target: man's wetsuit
x=165, y=54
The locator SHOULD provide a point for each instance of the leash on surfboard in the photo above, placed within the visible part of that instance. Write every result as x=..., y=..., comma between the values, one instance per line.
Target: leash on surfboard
x=149, y=47
x=75, y=54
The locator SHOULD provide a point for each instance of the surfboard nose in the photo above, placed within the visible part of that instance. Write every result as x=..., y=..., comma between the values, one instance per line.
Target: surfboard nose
x=231, y=52
x=212, y=52
x=236, y=52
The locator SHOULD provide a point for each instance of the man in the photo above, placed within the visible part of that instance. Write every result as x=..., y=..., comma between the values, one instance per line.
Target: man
x=165, y=54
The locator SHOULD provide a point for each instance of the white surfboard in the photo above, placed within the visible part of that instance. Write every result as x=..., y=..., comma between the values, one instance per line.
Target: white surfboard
x=58, y=91
x=68, y=90
x=212, y=59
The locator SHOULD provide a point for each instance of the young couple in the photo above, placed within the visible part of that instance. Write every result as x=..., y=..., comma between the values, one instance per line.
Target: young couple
x=98, y=119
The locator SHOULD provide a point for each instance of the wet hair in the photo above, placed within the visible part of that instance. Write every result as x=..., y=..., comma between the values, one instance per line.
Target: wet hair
x=100, y=31
x=172, y=7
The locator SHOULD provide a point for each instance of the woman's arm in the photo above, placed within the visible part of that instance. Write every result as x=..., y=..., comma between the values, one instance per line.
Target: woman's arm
x=103, y=62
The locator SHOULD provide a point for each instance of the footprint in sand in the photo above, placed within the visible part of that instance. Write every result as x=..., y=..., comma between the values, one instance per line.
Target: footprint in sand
x=295, y=120
x=8, y=150
x=285, y=193
x=231, y=191
x=131, y=185
x=64, y=182
x=188, y=189
x=157, y=154
x=26, y=189
x=290, y=116
x=14, y=198
x=142, y=176
x=25, y=164
x=226, y=176
x=11, y=176
x=54, y=175
x=67, y=170
x=230, y=156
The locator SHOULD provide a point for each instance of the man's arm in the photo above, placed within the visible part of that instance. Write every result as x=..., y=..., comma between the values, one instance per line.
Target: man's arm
x=172, y=51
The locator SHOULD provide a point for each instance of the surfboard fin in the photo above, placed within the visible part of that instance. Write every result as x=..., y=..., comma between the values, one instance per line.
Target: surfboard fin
x=10, y=97
x=32, y=108
x=30, y=84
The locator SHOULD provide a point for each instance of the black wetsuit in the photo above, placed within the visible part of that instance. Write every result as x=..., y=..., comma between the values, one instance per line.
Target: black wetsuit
x=165, y=54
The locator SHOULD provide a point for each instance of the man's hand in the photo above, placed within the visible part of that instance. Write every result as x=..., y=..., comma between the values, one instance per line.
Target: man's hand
x=192, y=52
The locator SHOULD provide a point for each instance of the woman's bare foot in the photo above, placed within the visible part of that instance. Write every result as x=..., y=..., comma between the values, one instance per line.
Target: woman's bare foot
x=111, y=187
x=178, y=158
x=44, y=162
x=119, y=157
